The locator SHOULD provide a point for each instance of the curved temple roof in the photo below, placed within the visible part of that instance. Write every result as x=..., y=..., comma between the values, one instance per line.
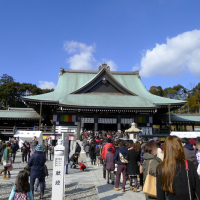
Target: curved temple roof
x=70, y=81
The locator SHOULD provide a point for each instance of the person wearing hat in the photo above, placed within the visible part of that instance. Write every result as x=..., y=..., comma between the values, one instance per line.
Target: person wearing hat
x=37, y=164
x=190, y=152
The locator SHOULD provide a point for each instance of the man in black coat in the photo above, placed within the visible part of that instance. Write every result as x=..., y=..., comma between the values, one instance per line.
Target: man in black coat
x=190, y=152
x=74, y=160
x=78, y=148
x=14, y=148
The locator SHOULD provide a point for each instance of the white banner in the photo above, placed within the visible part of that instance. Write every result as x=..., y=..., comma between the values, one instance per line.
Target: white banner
x=87, y=120
x=127, y=120
x=146, y=130
x=107, y=120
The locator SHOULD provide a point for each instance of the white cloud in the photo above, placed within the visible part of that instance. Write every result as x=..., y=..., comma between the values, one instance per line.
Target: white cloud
x=83, y=58
x=136, y=68
x=46, y=85
x=178, y=55
x=83, y=55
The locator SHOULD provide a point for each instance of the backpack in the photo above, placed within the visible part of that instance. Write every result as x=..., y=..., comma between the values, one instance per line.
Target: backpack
x=21, y=196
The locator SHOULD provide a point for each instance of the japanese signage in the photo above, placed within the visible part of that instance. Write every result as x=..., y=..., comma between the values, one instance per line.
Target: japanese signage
x=87, y=120
x=58, y=178
x=127, y=120
x=107, y=120
x=146, y=130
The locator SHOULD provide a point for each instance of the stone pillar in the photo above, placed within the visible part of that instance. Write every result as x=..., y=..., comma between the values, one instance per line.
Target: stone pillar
x=118, y=122
x=78, y=127
x=95, y=123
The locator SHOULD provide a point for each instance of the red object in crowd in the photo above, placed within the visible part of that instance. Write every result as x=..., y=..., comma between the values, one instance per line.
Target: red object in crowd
x=82, y=166
x=192, y=141
x=109, y=136
x=105, y=149
x=98, y=140
x=162, y=147
x=85, y=134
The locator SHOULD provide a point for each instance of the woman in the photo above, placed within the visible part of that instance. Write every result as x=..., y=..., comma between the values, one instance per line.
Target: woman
x=151, y=161
x=97, y=152
x=6, y=158
x=21, y=189
x=24, y=153
x=92, y=154
x=133, y=157
x=121, y=167
x=172, y=176
x=37, y=162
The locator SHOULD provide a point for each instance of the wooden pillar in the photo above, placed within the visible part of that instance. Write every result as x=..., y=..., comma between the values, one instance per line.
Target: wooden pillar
x=78, y=127
x=193, y=127
x=176, y=127
x=118, y=122
x=95, y=123
x=185, y=127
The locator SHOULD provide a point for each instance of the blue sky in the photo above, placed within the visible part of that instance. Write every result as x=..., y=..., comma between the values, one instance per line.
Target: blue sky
x=37, y=37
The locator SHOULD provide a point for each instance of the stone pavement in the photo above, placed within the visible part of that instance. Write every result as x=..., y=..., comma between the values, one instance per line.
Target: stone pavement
x=87, y=185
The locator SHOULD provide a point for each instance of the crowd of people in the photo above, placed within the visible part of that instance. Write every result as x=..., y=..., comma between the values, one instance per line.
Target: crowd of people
x=35, y=156
x=173, y=165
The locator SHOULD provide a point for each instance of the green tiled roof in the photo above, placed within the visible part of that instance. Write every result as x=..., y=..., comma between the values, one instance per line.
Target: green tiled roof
x=71, y=81
x=5, y=114
x=179, y=118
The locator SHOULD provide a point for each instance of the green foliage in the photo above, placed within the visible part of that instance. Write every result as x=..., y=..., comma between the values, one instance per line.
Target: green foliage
x=11, y=92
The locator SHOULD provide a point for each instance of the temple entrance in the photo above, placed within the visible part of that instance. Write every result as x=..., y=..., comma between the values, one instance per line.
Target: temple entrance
x=107, y=127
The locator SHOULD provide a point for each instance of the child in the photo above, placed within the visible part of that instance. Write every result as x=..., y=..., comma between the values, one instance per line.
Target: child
x=110, y=165
x=21, y=189
x=82, y=166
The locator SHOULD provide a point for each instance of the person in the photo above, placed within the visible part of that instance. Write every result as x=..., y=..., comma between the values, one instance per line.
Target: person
x=172, y=179
x=28, y=151
x=87, y=150
x=160, y=153
x=24, y=153
x=37, y=162
x=84, y=143
x=133, y=157
x=1, y=150
x=46, y=173
x=198, y=151
x=151, y=161
x=46, y=151
x=122, y=167
x=82, y=166
x=74, y=160
x=33, y=146
x=92, y=154
x=51, y=149
x=110, y=165
x=14, y=149
x=97, y=152
x=21, y=189
x=78, y=148
x=105, y=151
x=190, y=153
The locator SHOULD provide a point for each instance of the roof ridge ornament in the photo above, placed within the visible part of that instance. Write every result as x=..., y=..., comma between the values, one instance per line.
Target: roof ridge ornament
x=103, y=66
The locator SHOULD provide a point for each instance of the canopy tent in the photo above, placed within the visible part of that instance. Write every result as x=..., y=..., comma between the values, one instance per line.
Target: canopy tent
x=182, y=134
x=28, y=136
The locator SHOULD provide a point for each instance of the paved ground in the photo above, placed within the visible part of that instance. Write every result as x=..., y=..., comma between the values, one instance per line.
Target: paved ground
x=87, y=185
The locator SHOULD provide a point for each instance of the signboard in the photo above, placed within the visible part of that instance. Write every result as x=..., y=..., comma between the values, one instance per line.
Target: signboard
x=87, y=120
x=127, y=120
x=66, y=129
x=146, y=130
x=107, y=120
x=65, y=139
x=58, y=178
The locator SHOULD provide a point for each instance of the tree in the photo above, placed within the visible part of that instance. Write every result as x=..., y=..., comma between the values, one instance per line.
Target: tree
x=156, y=90
x=6, y=79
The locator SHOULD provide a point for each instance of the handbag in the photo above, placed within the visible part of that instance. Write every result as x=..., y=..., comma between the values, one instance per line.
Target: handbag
x=122, y=159
x=150, y=184
x=6, y=164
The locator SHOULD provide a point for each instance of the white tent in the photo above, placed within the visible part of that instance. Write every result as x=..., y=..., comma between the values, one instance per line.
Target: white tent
x=28, y=136
x=185, y=134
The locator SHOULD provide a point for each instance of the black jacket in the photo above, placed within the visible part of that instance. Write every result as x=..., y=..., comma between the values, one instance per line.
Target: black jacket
x=14, y=147
x=24, y=149
x=180, y=183
x=73, y=159
x=133, y=160
x=92, y=152
x=78, y=148
x=1, y=149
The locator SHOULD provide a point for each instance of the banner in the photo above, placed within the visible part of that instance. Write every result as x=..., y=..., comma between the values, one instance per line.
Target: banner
x=87, y=120
x=127, y=120
x=107, y=120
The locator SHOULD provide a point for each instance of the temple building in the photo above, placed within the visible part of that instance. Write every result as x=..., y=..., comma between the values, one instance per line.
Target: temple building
x=101, y=100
